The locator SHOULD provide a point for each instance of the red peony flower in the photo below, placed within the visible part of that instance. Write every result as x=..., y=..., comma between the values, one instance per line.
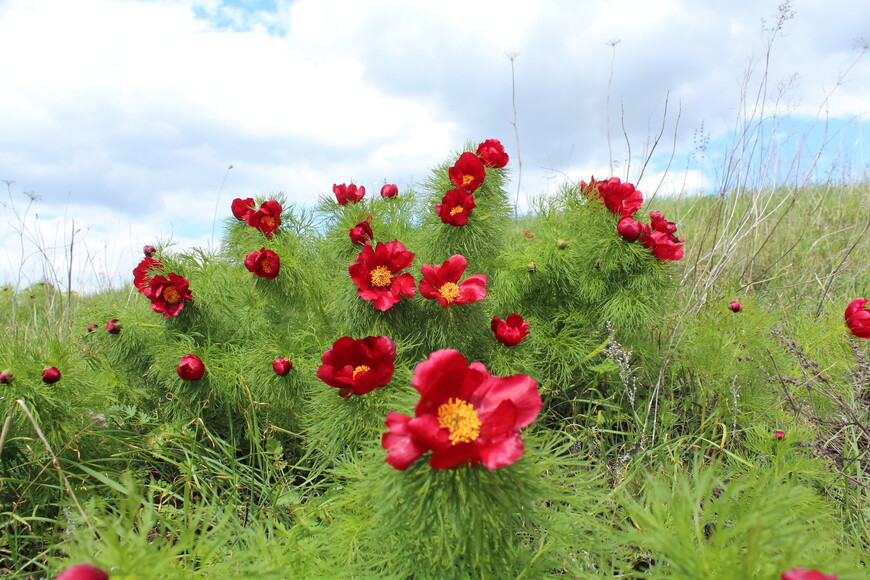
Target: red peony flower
x=190, y=368
x=6, y=376
x=455, y=207
x=491, y=152
x=267, y=218
x=50, y=375
x=858, y=318
x=265, y=263
x=346, y=194
x=442, y=283
x=661, y=238
x=358, y=366
x=82, y=572
x=620, y=198
x=801, y=574
x=389, y=190
x=510, y=332
x=361, y=232
x=148, y=250
x=735, y=306
x=112, y=326
x=145, y=271
x=243, y=208
x=281, y=366
x=92, y=327
x=377, y=274
x=631, y=230
x=167, y=294
x=468, y=172
x=465, y=415
x=779, y=434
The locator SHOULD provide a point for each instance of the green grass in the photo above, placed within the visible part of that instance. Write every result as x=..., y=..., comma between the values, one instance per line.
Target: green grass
x=654, y=455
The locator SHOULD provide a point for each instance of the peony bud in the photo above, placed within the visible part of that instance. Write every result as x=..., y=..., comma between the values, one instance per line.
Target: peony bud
x=281, y=366
x=389, y=190
x=92, y=327
x=83, y=572
x=858, y=318
x=532, y=267
x=779, y=434
x=562, y=243
x=149, y=250
x=112, y=326
x=190, y=368
x=50, y=375
x=735, y=306
x=629, y=229
x=6, y=376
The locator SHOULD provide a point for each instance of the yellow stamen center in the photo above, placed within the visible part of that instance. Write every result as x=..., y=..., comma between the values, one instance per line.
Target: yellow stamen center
x=266, y=266
x=457, y=209
x=360, y=369
x=450, y=292
x=381, y=276
x=269, y=222
x=460, y=418
x=171, y=295
x=466, y=179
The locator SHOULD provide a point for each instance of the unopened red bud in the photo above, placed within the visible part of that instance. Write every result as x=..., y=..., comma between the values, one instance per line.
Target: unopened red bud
x=112, y=326
x=389, y=190
x=92, y=327
x=50, y=375
x=281, y=366
x=6, y=376
x=735, y=306
x=149, y=250
x=779, y=434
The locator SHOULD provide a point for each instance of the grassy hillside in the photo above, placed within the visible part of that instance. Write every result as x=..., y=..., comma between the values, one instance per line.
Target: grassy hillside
x=655, y=453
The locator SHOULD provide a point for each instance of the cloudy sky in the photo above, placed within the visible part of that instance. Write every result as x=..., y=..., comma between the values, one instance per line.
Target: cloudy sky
x=119, y=119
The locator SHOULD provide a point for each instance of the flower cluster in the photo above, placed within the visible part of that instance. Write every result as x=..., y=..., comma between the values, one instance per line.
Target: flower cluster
x=467, y=174
x=465, y=415
x=622, y=199
x=266, y=219
x=858, y=318
x=167, y=293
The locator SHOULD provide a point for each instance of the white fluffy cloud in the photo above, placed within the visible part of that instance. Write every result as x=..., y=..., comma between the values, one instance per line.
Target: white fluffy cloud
x=121, y=113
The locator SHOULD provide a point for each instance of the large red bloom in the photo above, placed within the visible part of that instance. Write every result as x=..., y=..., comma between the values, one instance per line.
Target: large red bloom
x=465, y=415
x=510, y=332
x=455, y=207
x=358, y=366
x=468, y=172
x=346, y=194
x=661, y=239
x=146, y=270
x=378, y=275
x=492, y=153
x=265, y=263
x=442, y=283
x=167, y=294
x=242, y=208
x=620, y=198
x=858, y=318
x=267, y=218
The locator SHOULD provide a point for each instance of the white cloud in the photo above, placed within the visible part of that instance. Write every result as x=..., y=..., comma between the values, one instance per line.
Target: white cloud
x=124, y=111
